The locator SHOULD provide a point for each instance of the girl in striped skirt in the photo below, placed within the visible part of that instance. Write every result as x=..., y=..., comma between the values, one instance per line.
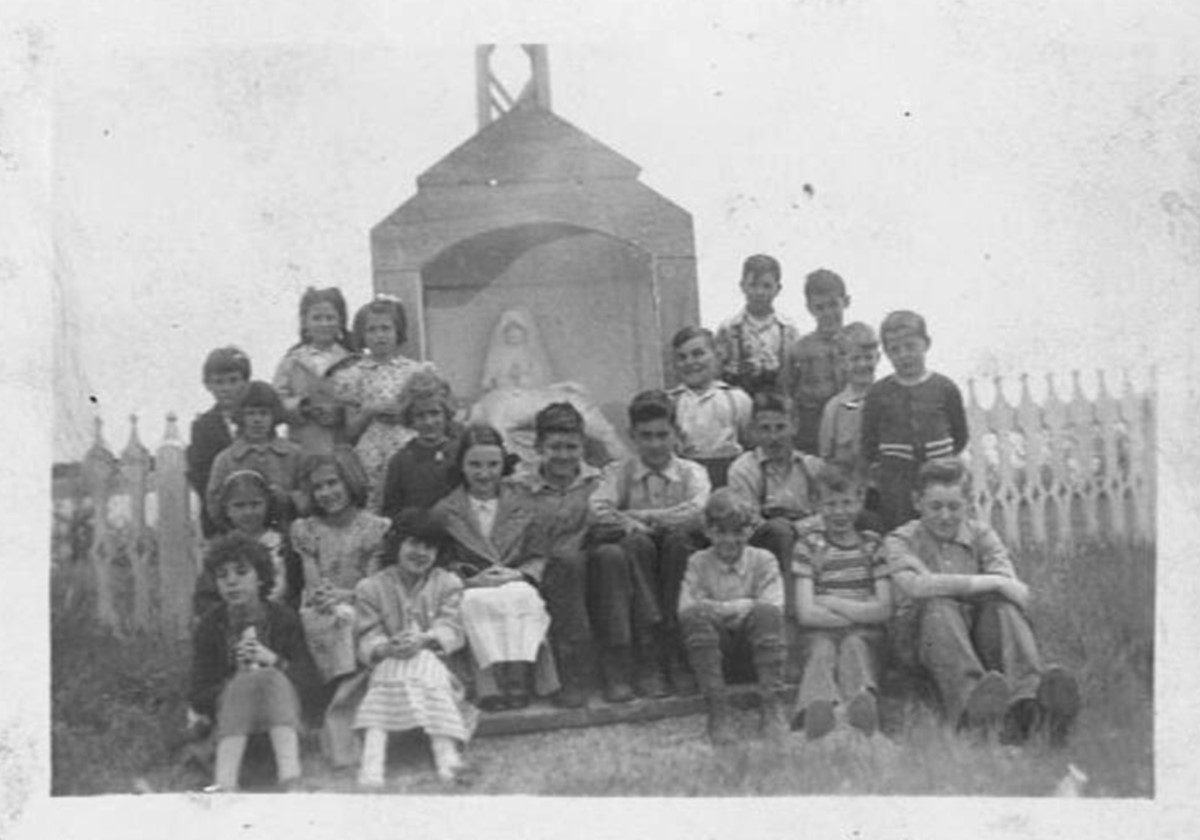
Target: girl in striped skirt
x=408, y=622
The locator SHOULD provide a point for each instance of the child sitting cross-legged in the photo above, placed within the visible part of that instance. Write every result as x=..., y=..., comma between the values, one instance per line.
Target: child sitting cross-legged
x=249, y=660
x=409, y=622
x=961, y=613
x=843, y=600
x=732, y=595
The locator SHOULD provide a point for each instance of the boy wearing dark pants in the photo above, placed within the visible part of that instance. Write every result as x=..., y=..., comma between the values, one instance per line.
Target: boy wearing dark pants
x=733, y=593
x=558, y=489
x=961, y=608
x=647, y=514
x=843, y=599
x=774, y=481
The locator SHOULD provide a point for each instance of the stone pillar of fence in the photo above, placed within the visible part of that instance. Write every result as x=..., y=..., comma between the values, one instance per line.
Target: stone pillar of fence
x=176, y=565
x=135, y=472
x=100, y=472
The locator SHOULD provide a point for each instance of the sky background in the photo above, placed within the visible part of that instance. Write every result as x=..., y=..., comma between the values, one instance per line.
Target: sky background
x=1009, y=175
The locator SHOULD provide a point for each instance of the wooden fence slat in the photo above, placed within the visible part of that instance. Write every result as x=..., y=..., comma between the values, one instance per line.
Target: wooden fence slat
x=1006, y=493
x=176, y=565
x=1111, y=478
x=1083, y=431
x=1029, y=418
x=100, y=473
x=135, y=471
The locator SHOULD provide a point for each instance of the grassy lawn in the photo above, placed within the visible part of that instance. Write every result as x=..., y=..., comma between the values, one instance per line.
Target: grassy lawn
x=118, y=715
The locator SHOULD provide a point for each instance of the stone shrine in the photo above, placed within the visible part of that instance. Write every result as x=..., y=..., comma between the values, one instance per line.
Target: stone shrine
x=533, y=216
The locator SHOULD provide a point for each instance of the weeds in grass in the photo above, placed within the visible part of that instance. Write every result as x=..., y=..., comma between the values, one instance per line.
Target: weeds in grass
x=118, y=713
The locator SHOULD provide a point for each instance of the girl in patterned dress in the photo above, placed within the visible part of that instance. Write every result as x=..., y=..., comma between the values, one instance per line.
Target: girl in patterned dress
x=313, y=417
x=409, y=622
x=370, y=388
x=338, y=546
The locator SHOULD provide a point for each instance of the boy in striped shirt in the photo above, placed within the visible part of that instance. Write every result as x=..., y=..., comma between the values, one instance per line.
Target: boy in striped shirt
x=910, y=417
x=843, y=599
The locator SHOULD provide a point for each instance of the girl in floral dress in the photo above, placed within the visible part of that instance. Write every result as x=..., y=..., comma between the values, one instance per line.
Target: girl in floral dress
x=370, y=388
x=338, y=546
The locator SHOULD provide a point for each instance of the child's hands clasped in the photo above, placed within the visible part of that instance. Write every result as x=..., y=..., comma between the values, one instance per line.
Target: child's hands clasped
x=406, y=644
x=252, y=653
x=495, y=576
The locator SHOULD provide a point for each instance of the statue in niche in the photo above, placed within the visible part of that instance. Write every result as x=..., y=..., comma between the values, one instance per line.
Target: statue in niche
x=517, y=384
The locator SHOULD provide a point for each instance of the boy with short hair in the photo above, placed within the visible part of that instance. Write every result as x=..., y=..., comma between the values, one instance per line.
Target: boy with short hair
x=557, y=489
x=732, y=594
x=910, y=417
x=843, y=599
x=961, y=614
x=226, y=372
x=813, y=372
x=712, y=415
x=753, y=344
x=646, y=514
x=774, y=481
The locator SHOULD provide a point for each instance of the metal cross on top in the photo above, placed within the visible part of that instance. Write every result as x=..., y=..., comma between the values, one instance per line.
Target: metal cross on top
x=493, y=100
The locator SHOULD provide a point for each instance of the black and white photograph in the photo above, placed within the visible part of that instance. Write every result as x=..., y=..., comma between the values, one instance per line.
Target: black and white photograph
x=648, y=414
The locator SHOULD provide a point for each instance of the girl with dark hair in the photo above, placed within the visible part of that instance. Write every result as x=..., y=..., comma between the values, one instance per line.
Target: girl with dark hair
x=493, y=529
x=370, y=388
x=299, y=379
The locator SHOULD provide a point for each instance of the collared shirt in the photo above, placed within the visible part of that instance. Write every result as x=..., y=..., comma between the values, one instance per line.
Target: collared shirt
x=840, y=437
x=301, y=368
x=845, y=571
x=763, y=484
x=712, y=420
x=485, y=514
x=754, y=575
x=814, y=373
x=676, y=494
x=562, y=513
x=765, y=342
x=912, y=550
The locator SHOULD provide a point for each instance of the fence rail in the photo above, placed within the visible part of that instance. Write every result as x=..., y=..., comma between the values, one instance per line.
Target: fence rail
x=1046, y=473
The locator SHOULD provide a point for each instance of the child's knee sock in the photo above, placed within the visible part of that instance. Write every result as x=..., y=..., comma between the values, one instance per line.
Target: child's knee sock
x=229, y=761
x=286, y=743
x=445, y=756
x=374, y=755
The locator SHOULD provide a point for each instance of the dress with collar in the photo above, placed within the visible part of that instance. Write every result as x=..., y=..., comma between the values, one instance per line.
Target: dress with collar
x=370, y=382
x=278, y=461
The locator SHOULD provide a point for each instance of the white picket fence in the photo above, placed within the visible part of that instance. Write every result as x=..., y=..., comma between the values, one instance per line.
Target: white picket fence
x=1048, y=473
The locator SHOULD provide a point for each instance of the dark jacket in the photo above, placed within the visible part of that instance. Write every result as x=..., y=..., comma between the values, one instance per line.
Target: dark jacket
x=209, y=436
x=213, y=661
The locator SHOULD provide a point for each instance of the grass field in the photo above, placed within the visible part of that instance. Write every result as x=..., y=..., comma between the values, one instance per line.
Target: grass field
x=118, y=711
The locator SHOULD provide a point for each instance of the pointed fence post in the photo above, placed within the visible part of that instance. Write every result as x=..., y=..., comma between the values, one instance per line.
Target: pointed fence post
x=978, y=428
x=1007, y=495
x=100, y=473
x=135, y=472
x=1112, y=477
x=1029, y=418
x=1083, y=428
x=1058, y=447
x=176, y=566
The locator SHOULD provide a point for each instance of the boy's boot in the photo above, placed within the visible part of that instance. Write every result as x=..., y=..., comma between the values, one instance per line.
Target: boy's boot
x=519, y=677
x=650, y=682
x=768, y=665
x=683, y=681
x=618, y=670
x=572, y=661
x=706, y=663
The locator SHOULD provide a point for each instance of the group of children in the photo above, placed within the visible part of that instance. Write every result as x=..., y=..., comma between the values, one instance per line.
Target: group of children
x=434, y=575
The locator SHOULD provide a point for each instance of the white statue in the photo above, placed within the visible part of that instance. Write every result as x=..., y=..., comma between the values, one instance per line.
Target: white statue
x=517, y=384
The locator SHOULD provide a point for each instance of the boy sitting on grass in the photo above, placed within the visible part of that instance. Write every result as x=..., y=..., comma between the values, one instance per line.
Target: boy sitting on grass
x=732, y=595
x=843, y=599
x=962, y=610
